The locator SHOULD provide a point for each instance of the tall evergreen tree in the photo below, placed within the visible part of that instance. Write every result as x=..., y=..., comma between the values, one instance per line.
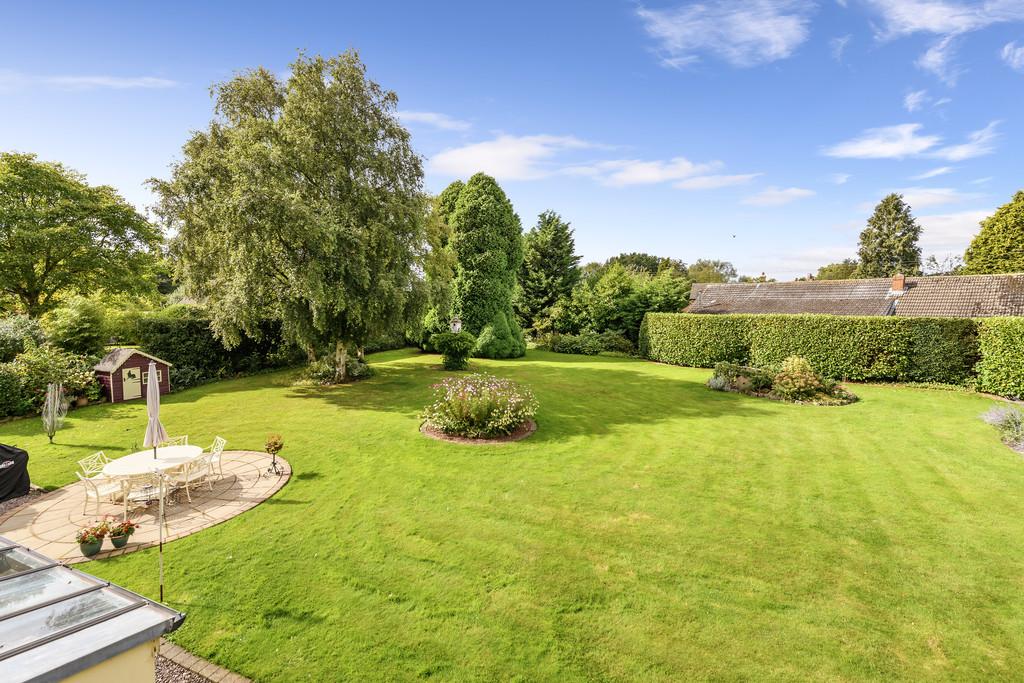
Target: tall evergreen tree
x=888, y=245
x=549, y=272
x=488, y=242
x=439, y=262
x=999, y=247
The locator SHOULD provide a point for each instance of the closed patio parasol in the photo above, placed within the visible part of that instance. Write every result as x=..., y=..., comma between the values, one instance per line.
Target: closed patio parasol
x=155, y=432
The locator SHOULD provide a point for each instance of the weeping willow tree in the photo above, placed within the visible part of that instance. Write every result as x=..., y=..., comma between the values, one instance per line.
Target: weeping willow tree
x=55, y=409
x=301, y=201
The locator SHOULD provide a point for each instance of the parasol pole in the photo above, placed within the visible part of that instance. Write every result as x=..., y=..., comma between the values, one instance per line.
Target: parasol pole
x=160, y=522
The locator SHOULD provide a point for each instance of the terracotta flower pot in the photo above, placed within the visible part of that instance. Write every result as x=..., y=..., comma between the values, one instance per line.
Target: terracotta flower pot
x=81, y=401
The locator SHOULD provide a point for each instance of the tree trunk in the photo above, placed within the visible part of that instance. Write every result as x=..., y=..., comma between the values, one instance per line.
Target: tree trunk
x=310, y=354
x=361, y=353
x=340, y=361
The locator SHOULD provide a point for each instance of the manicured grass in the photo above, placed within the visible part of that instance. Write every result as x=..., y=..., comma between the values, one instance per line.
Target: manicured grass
x=650, y=530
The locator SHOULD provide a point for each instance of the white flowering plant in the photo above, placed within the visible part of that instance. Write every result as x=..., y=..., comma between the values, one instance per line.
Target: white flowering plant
x=479, y=406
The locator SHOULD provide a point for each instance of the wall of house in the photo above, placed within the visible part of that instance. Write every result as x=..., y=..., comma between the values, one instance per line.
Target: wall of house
x=137, y=665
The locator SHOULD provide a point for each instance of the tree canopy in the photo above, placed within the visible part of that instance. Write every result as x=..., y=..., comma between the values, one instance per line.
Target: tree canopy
x=843, y=270
x=550, y=269
x=708, y=270
x=301, y=200
x=488, y=242
x=59, y=235
x=888, y=245
x=999, y=247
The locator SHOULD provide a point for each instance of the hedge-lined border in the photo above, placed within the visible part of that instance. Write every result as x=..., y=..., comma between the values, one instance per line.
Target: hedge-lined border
x=986, y=352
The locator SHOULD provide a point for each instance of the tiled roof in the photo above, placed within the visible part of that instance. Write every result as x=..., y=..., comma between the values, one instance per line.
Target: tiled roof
x=116, y=358
x=960, y=296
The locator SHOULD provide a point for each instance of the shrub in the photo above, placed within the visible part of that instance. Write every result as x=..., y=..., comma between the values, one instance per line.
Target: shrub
x=616, y=342
x=797, y=380
x=454, y=347
x=322, y=371
x=14, y=331
x=1009, y=422
x=735, y=377
x=501, y=338
x=78, y=326
x=697, y=341
x=13, y=400
x=41, y=365
x=943, y=350
x=479, y=406
x=1001, y=369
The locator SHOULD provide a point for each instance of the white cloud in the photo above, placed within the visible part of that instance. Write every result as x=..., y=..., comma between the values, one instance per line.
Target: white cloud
x=946, y=234
x=925, y=197
x=10, y=80
x=946, y=19
x=932, y=173
x=981, y=181
x=839, y=178
x=912, y=101
x=620, y=172
x=941, y=101
x=434, y=119
x=979, y=143
x=742, y=32
x=889, y=142
x=838, y=46
x=713, y=182
x=777, y=196
x=1013, y=56
x=938, y=60
x=506, y=157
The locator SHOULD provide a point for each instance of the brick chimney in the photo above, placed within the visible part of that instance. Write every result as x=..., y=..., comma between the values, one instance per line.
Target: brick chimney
x=899, y=282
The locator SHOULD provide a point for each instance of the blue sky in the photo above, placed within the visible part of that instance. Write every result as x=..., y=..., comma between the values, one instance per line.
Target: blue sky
x=757, y=131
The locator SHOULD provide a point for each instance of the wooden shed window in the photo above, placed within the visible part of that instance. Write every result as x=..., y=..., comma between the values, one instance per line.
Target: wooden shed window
x=159, y=377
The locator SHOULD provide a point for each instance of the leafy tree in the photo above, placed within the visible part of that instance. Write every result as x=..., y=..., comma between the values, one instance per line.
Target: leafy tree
x=950, y=265
x=488, y=242
x=706, y=270
x=77, y=326
x=301, y=201
x=999, y=247
x=636, y=260
x=18, y=332
x=439, y=262
x=549, y=272
x=755, y=278
x=59, y=235
x=842, y=270
x=888, y=245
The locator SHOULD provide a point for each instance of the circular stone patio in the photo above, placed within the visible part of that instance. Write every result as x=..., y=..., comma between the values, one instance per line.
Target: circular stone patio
x=48, y=523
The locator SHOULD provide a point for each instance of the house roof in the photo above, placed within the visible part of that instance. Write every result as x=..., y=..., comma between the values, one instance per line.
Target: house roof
x=118, y=357
x=56, y=621
x=955, y=296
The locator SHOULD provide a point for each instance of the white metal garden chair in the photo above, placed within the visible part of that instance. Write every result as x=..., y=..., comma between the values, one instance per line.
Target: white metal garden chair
x=216, y=451
x=142, y=489
x=93, y=465
x=176, y=441
x=97, y=489
x=194, y=473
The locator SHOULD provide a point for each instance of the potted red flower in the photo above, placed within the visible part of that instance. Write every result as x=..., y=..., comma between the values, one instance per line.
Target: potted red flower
x=119, y=532
x=90, y=539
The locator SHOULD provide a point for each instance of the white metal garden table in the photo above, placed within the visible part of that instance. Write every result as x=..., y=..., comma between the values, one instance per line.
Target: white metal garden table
x=167, y=458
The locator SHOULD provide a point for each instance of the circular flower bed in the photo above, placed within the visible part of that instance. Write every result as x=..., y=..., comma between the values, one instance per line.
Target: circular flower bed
x=479, y=406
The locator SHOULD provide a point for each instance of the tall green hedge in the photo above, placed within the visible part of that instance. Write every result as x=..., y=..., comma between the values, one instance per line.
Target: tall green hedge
x=839, y=347
x=1001, y=370
x=698, y=341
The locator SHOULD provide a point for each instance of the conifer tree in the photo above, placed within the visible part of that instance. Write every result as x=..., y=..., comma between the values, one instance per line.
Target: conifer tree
x=549, y=272
x=888, y=245
x=999, y=247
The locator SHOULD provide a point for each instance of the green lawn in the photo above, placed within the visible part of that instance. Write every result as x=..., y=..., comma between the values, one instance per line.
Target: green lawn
x=650, y=530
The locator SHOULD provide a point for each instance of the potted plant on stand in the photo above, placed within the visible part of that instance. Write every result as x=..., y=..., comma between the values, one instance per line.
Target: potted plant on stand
x=275, y=442
x=119, y=532
x=90, y=539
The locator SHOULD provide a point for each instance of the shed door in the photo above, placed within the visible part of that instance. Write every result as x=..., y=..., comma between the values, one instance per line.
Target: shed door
x=131, y=383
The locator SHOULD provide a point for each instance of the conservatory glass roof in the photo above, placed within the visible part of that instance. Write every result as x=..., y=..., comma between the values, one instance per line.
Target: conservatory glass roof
x=56, y=621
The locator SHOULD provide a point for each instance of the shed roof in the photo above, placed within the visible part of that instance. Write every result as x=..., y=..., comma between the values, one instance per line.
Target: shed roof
x=957, y=296
x=56, y=621
x=118, y=357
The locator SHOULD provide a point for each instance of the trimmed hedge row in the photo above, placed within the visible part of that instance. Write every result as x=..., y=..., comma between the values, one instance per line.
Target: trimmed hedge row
x=1001, y=369
x=945, y=350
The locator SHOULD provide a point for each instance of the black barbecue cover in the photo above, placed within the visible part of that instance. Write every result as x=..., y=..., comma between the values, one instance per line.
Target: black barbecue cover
x=13, y=472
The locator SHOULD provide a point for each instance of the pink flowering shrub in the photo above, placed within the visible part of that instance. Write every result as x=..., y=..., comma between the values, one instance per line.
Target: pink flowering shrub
x=479, y=406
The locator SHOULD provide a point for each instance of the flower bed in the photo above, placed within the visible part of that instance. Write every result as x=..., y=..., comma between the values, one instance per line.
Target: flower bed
x=795, y=381
x=479, y=406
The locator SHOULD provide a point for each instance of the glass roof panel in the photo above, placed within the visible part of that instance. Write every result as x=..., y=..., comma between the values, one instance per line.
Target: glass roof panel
x=18, y=560
x=46, y=621
x=39, y=587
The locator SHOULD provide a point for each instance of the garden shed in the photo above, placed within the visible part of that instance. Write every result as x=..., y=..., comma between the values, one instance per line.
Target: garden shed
x=123, y=374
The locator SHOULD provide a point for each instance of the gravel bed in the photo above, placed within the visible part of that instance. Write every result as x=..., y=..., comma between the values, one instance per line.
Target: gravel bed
x=9, y=505
x=169, y=672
